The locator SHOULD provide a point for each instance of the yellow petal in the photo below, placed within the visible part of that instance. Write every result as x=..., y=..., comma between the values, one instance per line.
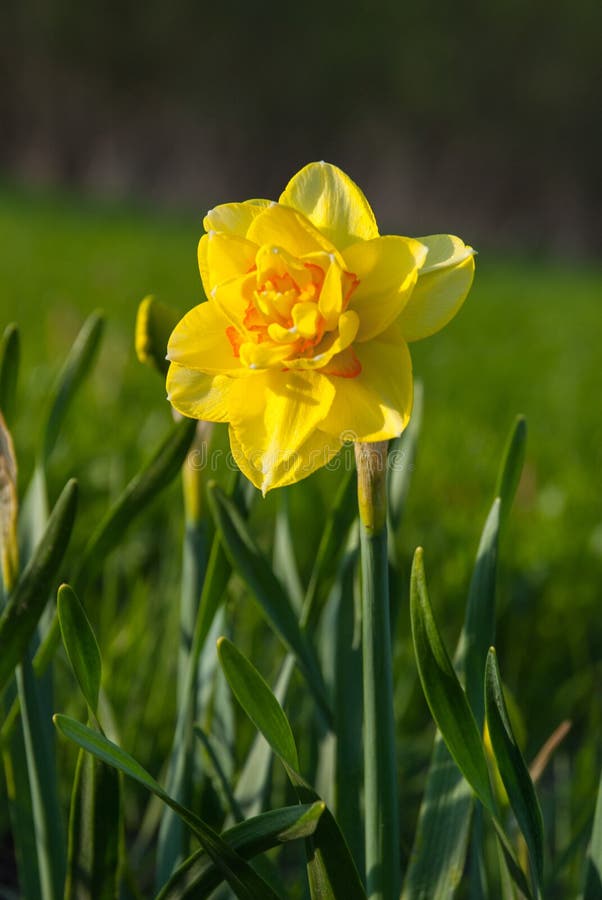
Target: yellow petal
x=222, y=257
x=443, y=284
x=330, y=345
x=281, y=226
x=273, y=415
x=315, y=452
x=234, y=218
x=197, y=395
x=264, y=355
x=331, y=296
x=305, y=319
x=233, y=297
x=199, y=341
x=387, y=271
x=443, y=250
x=332, y=202
x=376, y=404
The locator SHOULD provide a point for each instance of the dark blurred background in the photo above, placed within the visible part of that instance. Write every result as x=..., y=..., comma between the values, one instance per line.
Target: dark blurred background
x=482, y=118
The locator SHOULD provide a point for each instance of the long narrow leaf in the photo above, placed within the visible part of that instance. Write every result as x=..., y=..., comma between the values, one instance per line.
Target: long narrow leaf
x=284, y=558
x=9, y=545
x=245, y=882
x=43, y=786
x=80, y=643
x=197, y=877
x=513, y=769
x=26, y=604
x=512, y=466
x=258, y=702
x=514, y=869
x=331, y=547
x=443, y=692
x=331, y=869
x=592, y=889
x=10, y=352
x=246, y=557
x=94, y=849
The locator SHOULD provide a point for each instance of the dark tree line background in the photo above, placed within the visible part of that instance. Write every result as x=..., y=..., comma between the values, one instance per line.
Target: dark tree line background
x=481, y=116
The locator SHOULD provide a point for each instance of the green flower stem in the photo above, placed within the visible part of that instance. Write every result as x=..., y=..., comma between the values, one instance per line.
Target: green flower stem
x=383, y=879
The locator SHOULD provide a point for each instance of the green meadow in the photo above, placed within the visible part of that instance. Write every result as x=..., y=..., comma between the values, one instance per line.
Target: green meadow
x=526, y=342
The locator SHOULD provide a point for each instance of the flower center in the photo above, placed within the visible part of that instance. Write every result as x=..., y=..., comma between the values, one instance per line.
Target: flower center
x=296, y=314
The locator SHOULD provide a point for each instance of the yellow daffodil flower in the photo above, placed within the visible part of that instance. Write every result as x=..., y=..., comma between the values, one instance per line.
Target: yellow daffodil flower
x=302, y=343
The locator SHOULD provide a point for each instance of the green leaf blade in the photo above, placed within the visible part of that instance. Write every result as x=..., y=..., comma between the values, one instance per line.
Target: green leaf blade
x=81, y=645
x=513, y=769
x=245, y=882
x=26, y=604
x=198, y=876
x=75, y=369
x=247, y=559
x=10, y=353
x=592, y=888
x=512, y=466
x=258, y=702
x=443, y=692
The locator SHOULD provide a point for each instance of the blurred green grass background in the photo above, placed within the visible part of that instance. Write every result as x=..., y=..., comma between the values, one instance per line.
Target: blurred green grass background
x=527, y=341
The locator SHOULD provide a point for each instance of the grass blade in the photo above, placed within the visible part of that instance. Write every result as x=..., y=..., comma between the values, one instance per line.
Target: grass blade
x=26, y=604
x=444, y=694
x=240, y=876
x=81, y=645
x=246, y=557
x=513, y=769
x=198, y=877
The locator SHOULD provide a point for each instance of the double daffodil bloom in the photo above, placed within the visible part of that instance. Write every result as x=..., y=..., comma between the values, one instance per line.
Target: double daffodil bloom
x=302, y=344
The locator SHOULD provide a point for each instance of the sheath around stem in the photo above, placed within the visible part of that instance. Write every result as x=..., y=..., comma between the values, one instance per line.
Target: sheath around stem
x=380, y=776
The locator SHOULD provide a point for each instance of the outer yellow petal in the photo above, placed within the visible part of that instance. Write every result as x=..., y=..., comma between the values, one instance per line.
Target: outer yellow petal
x=443, y=284
x=234, y=218
x=274, y=415
x=387, y=272
x=222, y=257
x=281, y=226
x=444, y=250
x=197, y=395
x=199, y=341
x=333, y=202
x=376, y=404
x=315, y=452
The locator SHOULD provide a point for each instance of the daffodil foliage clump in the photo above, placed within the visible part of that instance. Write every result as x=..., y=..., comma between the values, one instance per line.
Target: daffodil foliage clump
x=290, y=766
